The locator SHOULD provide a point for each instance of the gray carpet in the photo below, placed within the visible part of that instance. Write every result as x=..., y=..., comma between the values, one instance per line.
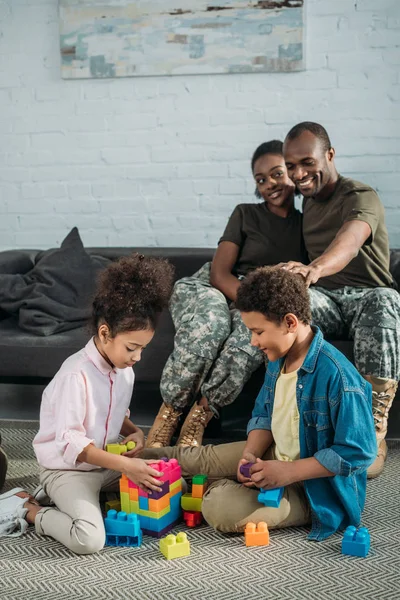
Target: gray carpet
x=219, y=568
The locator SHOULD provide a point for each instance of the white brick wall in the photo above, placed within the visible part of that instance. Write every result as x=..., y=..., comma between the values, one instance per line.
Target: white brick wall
x=162, y=161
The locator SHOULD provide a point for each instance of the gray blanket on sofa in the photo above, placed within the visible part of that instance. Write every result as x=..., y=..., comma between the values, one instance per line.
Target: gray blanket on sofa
x=56, y=294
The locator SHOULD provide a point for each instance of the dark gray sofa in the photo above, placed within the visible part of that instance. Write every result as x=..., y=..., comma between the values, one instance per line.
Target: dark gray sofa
x=29, y=360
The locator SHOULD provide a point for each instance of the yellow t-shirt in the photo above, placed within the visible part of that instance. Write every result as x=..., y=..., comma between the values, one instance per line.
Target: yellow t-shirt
x=285, y=418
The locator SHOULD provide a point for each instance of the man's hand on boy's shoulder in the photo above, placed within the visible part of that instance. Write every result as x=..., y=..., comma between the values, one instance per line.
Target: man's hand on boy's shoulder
x=271, y=474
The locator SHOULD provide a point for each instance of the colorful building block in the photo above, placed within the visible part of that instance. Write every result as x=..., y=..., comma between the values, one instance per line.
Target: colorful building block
x=245, y=469
x=256, y=535
x=122, y=529
x=198, y=490
x=356, y=542
x=160, y=504
x=192, y=518
x=120, y=448
x=177, y=489
x=190, y=503
x=199, y=479
x=143, y=502
x=271, y=498
x=113, y=505
x=175, y=546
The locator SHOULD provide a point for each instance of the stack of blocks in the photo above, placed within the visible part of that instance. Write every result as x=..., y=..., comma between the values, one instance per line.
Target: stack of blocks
x=158, y=512
x=192, y=503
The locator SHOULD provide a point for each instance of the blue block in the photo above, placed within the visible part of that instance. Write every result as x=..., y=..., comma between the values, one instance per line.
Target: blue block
x=356, y=542
x=123, y=540
x=271, y=498
x=143, y=503
x=121, y=524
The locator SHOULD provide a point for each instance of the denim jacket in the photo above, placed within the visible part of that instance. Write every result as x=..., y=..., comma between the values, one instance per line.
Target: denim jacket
x=336, y=427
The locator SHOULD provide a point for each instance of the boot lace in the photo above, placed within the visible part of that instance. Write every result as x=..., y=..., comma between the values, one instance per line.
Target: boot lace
x=167, y=427
x=379, y=404
x=194, y=428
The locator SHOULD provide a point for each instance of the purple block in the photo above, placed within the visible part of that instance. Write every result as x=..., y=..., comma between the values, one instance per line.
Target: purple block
x=160, y=534
x=164, y=490
x=245, y=469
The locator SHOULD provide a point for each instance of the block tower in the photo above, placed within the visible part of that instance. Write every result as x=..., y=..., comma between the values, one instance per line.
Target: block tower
x=158, y=512
x=192, y=503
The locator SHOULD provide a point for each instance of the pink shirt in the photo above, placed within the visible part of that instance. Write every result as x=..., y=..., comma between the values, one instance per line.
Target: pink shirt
x=86, y=402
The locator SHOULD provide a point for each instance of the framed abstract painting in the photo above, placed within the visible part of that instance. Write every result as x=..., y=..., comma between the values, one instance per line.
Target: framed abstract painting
x=179, y=37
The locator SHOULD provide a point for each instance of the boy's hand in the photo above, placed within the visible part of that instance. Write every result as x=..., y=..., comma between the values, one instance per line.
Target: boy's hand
x=139, y=471
x=138, y=438
x=271, y=474
x=247, y=458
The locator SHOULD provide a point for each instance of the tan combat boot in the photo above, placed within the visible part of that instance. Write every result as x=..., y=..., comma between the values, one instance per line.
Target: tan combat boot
x=383, y=393
x=164, y=427
x=193, y=428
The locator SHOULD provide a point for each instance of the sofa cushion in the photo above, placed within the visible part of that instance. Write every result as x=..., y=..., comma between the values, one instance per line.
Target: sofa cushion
x=56, y=294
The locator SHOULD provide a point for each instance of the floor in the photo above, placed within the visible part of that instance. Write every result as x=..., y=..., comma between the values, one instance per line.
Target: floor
x=220, y=567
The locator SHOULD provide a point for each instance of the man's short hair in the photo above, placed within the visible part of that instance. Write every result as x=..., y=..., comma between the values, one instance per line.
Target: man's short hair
x=314, y=128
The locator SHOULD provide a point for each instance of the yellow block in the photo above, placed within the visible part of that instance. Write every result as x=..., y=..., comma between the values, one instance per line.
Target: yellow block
x=120, y=448
x=154, y=515
x=177, y=483
x=175, y=546
x=113, y=505
x=134, y=507
x=125, y=502
x=189, y=503
x=175, y=491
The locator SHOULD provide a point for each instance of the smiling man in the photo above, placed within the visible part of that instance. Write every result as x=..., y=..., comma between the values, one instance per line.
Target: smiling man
x=347, y=243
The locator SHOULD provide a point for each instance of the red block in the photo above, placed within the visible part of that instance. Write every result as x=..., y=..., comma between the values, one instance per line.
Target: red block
x=192, y=518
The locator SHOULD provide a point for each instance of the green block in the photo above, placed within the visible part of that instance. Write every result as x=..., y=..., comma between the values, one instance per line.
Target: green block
x=199, y=479
x=113, y=505
x=189, y=503
x=120, y=448
x=154, y=515
x=125, y=502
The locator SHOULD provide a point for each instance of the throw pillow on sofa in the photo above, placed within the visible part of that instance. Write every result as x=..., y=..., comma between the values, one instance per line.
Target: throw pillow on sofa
x=56, y=294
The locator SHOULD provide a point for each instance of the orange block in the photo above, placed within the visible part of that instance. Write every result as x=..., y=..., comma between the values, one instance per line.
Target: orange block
x=256, y=535
x=134, y=494
x=160, y=504
x=198, y=490
x=124, y=484
x=175, y=491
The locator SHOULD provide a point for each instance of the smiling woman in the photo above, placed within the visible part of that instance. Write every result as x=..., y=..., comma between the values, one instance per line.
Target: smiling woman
x=213, y=357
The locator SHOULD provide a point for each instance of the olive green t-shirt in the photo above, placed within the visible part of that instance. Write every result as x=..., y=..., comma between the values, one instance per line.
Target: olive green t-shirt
x=263, y=237
x=351, y=201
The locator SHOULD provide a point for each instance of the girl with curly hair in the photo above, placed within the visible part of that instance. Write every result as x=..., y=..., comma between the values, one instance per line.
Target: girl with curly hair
x=86, y=406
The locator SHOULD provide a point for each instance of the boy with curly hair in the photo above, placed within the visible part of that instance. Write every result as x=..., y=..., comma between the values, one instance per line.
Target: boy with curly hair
x=311, y=430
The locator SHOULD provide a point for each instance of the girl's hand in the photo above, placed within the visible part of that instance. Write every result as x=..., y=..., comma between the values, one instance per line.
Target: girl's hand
x=138, y=438
x=247, y=458
x=139, y=471
x=271, y=474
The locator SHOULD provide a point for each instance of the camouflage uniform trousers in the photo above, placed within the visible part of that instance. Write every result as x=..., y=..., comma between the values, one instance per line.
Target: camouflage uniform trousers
x=370, y=317
x=212, y=352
